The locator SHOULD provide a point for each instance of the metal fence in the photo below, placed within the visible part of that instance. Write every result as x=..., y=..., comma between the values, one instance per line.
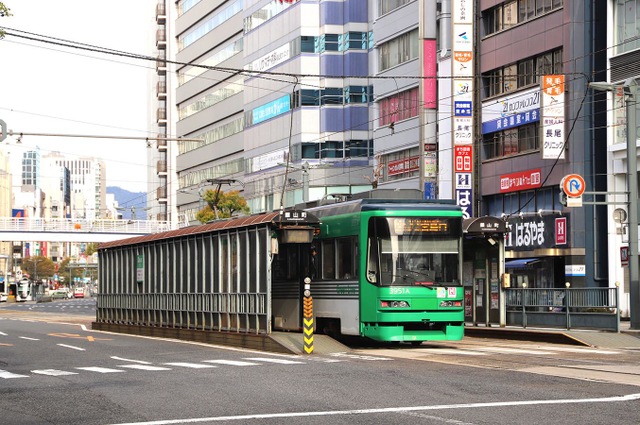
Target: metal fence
x=591, y=308
x=13, y=224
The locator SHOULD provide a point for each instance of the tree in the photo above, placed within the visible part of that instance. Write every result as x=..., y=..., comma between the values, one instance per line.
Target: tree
x=64, y=270
x=91, y=249
x=4, y=11
x=226, y=204
x=38, y=267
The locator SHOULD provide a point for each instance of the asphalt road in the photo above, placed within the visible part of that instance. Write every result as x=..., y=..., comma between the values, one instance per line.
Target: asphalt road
x=55, y=372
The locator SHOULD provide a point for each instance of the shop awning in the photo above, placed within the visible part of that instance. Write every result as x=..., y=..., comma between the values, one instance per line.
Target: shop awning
x=520, y=263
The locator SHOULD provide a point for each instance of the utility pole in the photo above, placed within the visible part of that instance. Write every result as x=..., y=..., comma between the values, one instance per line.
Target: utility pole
x=630, y=98
x=631, y=94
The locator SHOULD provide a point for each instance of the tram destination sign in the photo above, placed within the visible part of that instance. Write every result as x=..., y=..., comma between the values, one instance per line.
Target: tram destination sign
x=421, y=225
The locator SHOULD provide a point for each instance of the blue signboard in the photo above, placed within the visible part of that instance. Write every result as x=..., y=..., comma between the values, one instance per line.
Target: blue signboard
x=463, y=109
x=271, y=110
x=511, y=121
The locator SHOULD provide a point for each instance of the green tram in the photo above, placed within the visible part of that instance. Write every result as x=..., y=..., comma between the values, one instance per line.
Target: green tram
x=389, y=270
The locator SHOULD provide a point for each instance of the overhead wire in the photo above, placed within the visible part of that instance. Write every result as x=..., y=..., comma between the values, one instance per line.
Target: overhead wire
x=262, y=74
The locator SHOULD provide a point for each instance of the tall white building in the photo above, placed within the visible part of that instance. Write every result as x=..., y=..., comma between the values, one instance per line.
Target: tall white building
x=87, y=183
x=279, y=138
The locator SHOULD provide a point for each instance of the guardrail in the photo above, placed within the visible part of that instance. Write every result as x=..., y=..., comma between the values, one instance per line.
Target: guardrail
x=12, y=224
x=593, y=308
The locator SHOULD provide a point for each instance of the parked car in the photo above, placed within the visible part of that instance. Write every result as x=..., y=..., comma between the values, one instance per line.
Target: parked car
x=78, y=293
x=64, y=293
x=3, y=297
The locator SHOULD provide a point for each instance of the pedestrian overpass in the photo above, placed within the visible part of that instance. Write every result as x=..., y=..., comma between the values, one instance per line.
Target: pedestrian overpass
x=76, y=230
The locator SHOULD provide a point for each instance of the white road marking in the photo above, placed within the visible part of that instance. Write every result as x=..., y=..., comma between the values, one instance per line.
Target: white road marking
x=28, y=338
x=231, y=362
x=53, y=372
x=579, y=350
x=273, y=360
x=191, y=365
x=72, y=347
x=143, y=367
x=359, y=356
x=616, y=399
x=8, y=375
x=129, y=360
x=512, y=350
x=100, y=369
x=453, y=351
x=3, y=334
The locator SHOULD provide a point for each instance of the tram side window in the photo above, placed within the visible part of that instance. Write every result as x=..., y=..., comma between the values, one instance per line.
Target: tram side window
x=346, y=258
x=339, y=259
x=328, y=259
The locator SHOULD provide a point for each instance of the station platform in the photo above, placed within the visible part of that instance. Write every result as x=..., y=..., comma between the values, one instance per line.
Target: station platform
x=626, y=338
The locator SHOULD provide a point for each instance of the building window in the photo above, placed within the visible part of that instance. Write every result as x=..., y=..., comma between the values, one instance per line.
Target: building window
x=521, y=74
x=510, y=13
x=359, y=149
x=526, y=201
x=398, y=107
x=399, y=50
x=333, y=96
x=513, y=141
x=217, y=18
x=400, y=165
x=386, y=6
x=337, y=150
x=336, y=42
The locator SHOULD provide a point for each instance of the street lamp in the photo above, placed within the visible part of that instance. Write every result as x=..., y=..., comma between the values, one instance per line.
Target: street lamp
x=630, y=95
x=305, y=177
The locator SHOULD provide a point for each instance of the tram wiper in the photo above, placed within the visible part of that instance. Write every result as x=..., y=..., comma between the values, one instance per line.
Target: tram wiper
x=430, y=285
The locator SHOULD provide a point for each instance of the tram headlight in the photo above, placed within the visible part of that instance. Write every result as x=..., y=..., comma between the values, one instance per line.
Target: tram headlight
x=451, y=303
x=394, y=304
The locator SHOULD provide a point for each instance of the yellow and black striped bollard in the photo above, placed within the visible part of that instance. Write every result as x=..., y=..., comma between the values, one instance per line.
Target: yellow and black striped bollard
x=307, y=317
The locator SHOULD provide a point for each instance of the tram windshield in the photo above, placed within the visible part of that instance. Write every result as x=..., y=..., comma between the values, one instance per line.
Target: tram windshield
x=414, y=251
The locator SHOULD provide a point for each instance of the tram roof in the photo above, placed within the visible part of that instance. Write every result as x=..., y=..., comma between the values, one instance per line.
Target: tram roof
x=381, y=205
x=237, y=222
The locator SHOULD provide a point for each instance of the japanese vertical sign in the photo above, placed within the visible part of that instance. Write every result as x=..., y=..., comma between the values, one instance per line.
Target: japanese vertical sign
x=552, y=117
x=462, y=108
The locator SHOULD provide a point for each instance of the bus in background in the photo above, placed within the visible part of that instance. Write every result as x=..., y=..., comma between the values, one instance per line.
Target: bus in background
x=24, y=289
x=4, y=277
x=389, y=270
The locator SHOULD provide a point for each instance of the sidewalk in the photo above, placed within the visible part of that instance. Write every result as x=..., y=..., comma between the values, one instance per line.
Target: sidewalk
x=626, y=338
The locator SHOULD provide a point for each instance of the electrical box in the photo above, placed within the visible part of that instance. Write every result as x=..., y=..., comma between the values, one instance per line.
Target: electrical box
x=506, y=280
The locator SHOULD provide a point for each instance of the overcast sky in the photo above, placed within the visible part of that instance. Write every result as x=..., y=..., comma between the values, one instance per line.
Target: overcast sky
x=50, y=89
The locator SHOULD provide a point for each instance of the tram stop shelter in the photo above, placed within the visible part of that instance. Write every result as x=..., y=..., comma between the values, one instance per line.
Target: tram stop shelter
x=483, y=270
x=210, y=283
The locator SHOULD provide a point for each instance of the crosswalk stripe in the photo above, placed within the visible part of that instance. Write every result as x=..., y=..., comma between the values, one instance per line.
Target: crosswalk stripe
x=231, y=362
x=53, y=372
x=143, y=367
x=580, y=350
x=273, y=360
x=512, y=350
x=449, y=351
x=8, y=375
x=191, y=365
x=100, y=369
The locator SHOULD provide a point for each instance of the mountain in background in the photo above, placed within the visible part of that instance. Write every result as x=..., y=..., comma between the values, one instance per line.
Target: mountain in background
x=127, y=199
